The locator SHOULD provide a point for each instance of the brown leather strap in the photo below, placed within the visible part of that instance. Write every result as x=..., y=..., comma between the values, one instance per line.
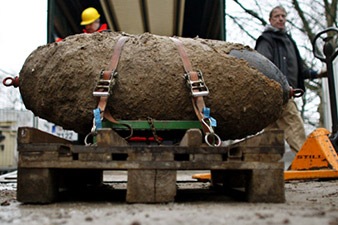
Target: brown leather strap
x=107, y=76
x=183, y=54
x=109, y=117
x=198, y=102
x=112, y=66
x=117, y=52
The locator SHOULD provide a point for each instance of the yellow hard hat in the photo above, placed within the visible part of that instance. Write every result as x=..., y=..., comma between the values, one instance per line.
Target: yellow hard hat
x=89, y=15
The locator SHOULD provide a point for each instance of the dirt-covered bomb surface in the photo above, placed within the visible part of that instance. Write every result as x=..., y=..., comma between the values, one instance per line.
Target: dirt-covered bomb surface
x=57, y=81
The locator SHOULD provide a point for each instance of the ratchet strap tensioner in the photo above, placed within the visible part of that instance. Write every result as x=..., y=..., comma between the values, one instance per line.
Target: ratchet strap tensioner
x=103, y=88
x=198, y=88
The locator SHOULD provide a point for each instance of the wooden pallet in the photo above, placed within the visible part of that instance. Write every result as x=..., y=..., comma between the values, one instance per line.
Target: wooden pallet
x=48, y=163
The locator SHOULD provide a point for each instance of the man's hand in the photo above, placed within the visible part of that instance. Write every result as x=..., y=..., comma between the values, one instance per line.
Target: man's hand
x=321, y=74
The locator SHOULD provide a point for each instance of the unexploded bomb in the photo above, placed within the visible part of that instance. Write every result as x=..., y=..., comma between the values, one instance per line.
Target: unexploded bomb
x=57, y=82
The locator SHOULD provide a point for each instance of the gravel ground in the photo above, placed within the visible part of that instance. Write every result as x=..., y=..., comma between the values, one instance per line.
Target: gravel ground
x=310, y=202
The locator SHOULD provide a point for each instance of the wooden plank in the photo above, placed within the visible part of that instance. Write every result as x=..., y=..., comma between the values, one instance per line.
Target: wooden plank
x=192, y=138
x=76, y=177
x=149, y=186
x=165, y=185
x=25, y=157
x=267, y=146
x=258, y=185
x=140, y=156
x=252, y=163
x=151, y=149
x=206, y=157
x=37, y=147
x=141, y=186
x=268, y=138
x=99, y=153
x=252, y=145
x=262, y=157
x=93, y=157
x=36, y=185
x=233, y=151
x=265, y=186
x=107, y=137
x=163, y=156
x=161, y=165
x=28, y=135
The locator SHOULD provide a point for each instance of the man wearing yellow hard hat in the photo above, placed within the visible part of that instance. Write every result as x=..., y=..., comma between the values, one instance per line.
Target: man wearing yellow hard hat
x=91, y=21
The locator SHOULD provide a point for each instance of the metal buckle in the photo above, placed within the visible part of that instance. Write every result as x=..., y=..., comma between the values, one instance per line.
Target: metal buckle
x=199, y=85
x=103, y=87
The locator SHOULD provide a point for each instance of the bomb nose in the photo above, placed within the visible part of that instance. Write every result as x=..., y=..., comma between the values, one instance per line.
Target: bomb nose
x=266, y=67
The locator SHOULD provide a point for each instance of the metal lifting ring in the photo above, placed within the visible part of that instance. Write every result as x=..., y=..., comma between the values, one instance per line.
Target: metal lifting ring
x=94, y=133
x=217, y=142
x=296, y=92
x=13, y=81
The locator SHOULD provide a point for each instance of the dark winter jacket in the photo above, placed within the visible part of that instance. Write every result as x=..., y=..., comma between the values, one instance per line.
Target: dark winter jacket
x=282, y=50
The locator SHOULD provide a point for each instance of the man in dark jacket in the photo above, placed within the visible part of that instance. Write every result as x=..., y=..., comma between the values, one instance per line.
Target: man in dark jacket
x=281, y=49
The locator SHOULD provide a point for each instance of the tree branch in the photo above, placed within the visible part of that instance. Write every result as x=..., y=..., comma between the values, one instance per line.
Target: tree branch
x=251, y=12
x=331, y=12
x=241, y=27
x=302, y=17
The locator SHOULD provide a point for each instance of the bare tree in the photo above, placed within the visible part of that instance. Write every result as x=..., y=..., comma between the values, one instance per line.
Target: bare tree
x=305, y=20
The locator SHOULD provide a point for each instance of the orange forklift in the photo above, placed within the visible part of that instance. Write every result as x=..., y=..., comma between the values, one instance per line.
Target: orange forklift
x=318, y=157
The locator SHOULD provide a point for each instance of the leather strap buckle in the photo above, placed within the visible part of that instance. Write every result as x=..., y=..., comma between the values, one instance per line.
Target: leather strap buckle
x=105, y=83
x=196, y=84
